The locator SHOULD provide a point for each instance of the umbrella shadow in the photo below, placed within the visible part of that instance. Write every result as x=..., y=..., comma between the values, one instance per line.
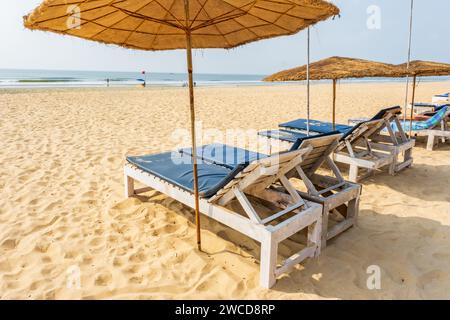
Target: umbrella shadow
x=399, y=246
x=422, y=181
x=421, y=142
x=411, y=253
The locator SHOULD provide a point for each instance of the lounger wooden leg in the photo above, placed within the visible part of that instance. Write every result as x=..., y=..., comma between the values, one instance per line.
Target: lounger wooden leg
x=325, y=217
x=408, y=156
x=393, y=165
x=353, y=210
x=353, y=174
x=430, y=143
x=129, y=186
x=269, y=251
x=315, y=232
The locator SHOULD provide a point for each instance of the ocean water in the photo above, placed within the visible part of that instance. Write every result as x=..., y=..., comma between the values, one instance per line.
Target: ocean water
x=11, y=78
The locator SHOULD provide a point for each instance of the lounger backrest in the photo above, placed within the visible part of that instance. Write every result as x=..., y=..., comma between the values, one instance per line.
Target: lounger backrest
x=390, y=118
x=262, y=173
x=437, y=118
x=439, y=108
x=388, y=113
x=322, y=147
x=359, y=132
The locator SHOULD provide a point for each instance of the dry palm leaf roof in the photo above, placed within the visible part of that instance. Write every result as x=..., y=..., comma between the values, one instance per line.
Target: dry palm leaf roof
x=162, y=24
x=338, y=68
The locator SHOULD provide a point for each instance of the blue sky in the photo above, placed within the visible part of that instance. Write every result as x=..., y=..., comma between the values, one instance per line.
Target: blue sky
x=348, y=36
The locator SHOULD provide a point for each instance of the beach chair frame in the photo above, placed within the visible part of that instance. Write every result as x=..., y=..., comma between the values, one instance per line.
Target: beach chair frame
x=356, y=151
x=336, y=195
x=257, y=181
x=396, y=143
x=440, y=133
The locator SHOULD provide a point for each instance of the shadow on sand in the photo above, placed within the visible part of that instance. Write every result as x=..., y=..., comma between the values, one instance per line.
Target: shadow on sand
x=422, y=181
x=413, y=255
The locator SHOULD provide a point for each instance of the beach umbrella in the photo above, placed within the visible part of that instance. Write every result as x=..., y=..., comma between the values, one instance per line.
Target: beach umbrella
x=179, y=24
x=336, y=68
x=420, y=68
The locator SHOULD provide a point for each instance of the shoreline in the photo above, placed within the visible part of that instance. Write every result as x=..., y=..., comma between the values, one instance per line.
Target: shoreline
x=217, y=86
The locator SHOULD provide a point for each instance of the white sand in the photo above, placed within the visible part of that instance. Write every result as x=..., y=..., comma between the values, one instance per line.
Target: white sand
x=62, y=204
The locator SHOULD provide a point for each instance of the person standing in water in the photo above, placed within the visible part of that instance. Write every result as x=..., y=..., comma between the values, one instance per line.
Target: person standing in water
x=145, y=78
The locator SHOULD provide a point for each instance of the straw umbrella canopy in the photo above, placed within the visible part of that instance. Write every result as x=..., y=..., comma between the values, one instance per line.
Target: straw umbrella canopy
x=179, y=24
x=419, y=68
x=336, y=68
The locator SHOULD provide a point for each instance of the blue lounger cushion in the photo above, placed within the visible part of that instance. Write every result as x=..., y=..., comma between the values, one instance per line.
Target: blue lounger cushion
x=439, y=108
x=176, y=168
x=315, y=126
x=224, y=155
x=426, y=104
x=423, y=125
x=326, y=127
x=295, y=137
x=283, y=135
x=382, y=113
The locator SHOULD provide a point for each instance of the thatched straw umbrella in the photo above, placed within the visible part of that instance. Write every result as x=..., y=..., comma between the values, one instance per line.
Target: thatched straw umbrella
x=420, y=68
x=179, y=24
x=336, y=68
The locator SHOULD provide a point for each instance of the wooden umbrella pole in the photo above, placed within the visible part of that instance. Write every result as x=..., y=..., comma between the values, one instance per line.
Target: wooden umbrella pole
x=193, y=135
x=308, y=84
x=334, y=104
x=409, y=58
x=412, y=105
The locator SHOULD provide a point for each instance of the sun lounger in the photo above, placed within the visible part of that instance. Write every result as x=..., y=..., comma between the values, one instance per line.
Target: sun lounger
x=338, y=197
x=352, y=152
x=435, y=127
x=249, y=175
x=320, y=127
x=364, y=145
x=441, y=97
x=424, y=110
x=316, y=126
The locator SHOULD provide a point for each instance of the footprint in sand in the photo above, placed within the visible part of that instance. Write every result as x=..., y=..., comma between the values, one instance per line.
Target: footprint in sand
x=103, y=280
x=9, y=244
x=46, y=259
x=138, y=257
x=117, y=262
x=42, y=247
x=430, y=278
x=137, y=280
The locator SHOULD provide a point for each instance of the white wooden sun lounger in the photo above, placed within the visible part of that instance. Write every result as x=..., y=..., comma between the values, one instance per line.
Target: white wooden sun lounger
x=259, y=180
x=440, y=132
x=371, y=140
x=363, y=146
x=356, y=150
x=338, y=197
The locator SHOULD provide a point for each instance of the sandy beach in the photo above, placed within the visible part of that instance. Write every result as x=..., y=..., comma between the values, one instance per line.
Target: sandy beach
x=62, y=208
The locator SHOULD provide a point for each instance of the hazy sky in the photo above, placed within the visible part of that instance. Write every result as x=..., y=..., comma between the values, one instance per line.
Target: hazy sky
x=348, y=36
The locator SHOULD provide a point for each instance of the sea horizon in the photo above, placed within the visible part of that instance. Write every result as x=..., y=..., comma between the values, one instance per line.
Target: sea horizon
x=44, y=78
